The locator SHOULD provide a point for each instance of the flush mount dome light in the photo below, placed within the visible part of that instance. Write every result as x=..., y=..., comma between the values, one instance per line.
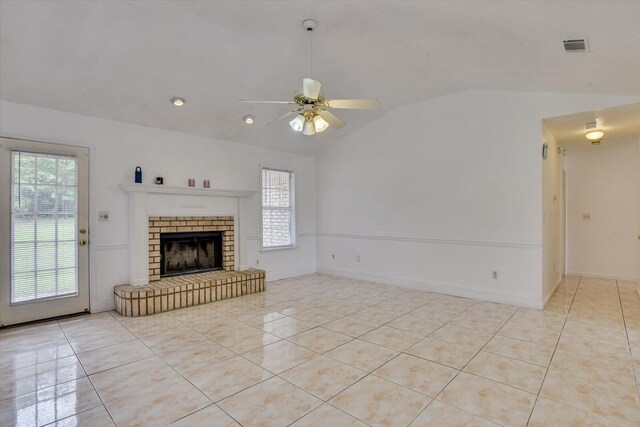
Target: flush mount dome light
x=178, y=102
x=594, y=135
x=249, y=119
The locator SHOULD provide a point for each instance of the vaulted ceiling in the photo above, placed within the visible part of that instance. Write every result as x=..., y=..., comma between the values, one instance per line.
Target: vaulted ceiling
x=124, y=60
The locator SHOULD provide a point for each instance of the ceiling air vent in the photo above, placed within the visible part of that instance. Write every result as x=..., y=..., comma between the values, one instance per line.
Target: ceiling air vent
x=575, y=45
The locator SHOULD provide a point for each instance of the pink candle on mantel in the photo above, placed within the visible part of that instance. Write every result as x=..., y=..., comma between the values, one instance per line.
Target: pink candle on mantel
x=192, y=182
x=206, y=183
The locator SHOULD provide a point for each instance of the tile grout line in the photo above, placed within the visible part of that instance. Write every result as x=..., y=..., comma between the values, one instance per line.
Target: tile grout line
x=462, y=369
x=324, y=355
x=216, y=342
x=626, y=331
x=554, y=351
x=242, y=355
x=104, y=405
x=367, y=374
x=182, y=376
x=607, y=417
x=577, y=295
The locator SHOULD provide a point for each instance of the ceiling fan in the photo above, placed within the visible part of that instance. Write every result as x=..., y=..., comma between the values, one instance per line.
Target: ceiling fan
x=312, y=113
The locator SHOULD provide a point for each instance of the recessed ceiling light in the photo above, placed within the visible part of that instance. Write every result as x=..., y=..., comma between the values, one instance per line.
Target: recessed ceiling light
x=178, y=102
x=249, y=119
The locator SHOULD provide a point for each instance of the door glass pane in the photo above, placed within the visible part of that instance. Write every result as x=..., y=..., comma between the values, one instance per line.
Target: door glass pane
x=44, y=256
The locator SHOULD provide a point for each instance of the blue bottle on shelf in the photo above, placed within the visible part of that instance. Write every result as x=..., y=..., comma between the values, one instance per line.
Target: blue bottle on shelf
x=138, y=175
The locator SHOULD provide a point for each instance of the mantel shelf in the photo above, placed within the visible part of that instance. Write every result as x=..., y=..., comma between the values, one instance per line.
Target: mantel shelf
x=185, y=191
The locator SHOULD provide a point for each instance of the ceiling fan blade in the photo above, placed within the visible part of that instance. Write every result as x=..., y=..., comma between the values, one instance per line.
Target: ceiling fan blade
x=268, y=102
x=356, y=104
x=332, y=119
x=311, y=88
x=284, y=116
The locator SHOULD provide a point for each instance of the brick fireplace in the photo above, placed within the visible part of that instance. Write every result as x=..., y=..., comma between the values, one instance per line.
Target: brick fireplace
x=167, y=225
x=161, y=214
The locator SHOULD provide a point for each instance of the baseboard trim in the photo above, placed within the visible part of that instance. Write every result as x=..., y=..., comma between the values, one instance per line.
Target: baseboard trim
x=602, y=276
x=550, y=294
x=103, y=305
x=443, y=288
x=286, y=273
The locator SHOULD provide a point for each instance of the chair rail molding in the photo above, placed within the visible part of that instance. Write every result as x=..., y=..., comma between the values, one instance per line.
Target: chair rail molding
x=435, y=240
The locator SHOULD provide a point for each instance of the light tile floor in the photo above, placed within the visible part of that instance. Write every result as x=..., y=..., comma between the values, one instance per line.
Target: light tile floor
x=326, y=351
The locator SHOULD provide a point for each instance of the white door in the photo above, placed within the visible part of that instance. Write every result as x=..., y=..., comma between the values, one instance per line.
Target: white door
x=44, y=235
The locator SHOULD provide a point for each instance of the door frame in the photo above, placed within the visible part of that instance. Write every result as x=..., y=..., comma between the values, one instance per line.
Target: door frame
x=11, y=314
x=565, y=230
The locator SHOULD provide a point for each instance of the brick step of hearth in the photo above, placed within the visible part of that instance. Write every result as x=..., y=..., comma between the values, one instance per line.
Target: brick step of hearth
x=171, y=293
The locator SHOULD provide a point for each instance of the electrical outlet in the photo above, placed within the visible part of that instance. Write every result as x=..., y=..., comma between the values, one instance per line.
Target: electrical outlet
x=333, y=256
x=103, y=216
x=586, y=217
x=357, y=258
x=257, y=262
x=494, y=274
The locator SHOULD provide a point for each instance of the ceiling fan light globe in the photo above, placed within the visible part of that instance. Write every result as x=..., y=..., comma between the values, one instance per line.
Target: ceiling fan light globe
x=320, y=123
x=309, y=128
x=297, y=123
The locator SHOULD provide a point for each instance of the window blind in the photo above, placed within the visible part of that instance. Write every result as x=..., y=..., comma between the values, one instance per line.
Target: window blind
x=44, y=206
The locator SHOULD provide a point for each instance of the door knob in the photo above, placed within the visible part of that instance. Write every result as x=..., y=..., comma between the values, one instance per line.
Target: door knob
x=82, y=242
x=82, y=231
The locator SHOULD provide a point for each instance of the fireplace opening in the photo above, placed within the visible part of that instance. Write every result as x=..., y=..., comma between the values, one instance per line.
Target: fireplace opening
x=188, y=253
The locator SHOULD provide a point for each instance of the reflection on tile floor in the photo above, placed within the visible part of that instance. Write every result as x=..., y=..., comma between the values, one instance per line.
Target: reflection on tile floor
x=319, y=350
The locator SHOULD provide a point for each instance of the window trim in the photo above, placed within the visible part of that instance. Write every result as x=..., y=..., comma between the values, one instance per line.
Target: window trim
x=292, y=222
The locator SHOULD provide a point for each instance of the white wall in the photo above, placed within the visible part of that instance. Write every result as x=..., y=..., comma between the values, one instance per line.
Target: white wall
x=553, y=234
x=603, y=181
x=439, y=194
x=117, y=148
x=434, y=195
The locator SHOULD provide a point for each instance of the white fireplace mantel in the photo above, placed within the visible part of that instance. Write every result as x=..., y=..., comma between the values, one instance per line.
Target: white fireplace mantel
x=140, y=208
x=187, y=191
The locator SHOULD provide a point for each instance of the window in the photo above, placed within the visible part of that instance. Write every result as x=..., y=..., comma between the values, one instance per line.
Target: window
x=43, y=226
x=278, y=213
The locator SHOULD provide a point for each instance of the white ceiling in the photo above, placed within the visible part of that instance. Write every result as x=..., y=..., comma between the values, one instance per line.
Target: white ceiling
x=123, y=60
x=617, y=123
